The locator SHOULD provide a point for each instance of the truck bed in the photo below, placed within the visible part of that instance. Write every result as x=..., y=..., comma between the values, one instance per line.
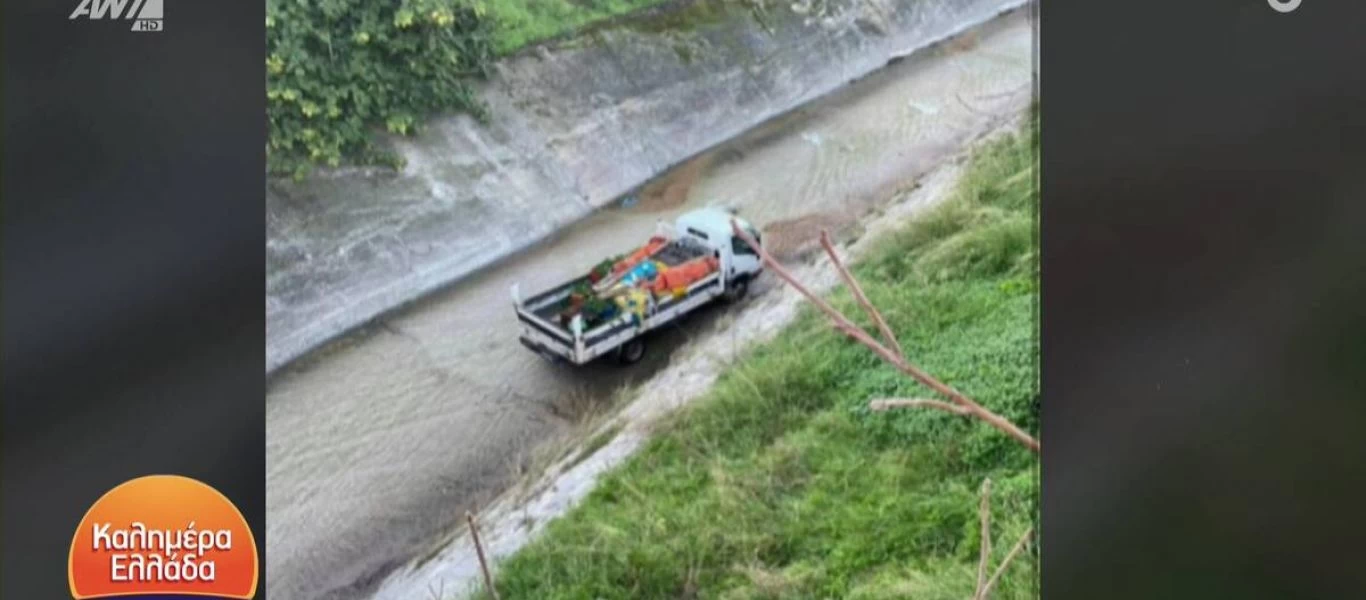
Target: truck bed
x=547, y=305
x=702, y=233
x=677, y=253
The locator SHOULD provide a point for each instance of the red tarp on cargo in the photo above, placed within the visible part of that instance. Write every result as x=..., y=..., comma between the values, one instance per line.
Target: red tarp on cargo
x=677, y=279
x=640, y=254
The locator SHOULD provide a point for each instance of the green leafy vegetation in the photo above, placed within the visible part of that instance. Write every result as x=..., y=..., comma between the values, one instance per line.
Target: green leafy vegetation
x=782, y=484
x=337, y=68
x=339, y=71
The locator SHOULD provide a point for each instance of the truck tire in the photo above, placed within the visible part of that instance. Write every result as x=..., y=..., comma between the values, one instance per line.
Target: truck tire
x=631, y=352
x=737, y=290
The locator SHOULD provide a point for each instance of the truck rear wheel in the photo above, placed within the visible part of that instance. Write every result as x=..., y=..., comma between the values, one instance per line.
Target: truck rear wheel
x=737, y=290
x=631, y=352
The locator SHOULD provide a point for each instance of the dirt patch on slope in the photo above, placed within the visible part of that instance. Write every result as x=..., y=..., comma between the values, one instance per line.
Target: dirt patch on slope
x=795, y=239
x=671, y=190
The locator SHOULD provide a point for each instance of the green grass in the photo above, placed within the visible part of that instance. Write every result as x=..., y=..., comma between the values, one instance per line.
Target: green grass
x=782, y=484
x=518, y=23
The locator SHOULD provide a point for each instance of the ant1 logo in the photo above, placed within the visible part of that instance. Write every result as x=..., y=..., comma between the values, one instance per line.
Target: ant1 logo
x=145, y=14
x=1284, y=6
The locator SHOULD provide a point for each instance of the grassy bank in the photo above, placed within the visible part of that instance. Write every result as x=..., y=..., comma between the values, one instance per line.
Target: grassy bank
x=519, y=23
x=782, y=484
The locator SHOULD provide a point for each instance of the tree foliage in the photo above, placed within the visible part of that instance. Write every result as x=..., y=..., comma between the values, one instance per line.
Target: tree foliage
x=336, y=69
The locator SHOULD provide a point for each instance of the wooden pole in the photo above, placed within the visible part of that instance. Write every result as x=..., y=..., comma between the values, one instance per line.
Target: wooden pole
x=857, y=291
x=985, y=513
x=995, y=577
x=483, y=562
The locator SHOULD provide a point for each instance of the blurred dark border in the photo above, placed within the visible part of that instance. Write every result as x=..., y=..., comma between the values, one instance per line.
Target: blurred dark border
x=1204, y=299
x=133, y=257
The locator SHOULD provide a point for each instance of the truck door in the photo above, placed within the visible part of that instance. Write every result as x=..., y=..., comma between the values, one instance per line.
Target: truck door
x=744, y=260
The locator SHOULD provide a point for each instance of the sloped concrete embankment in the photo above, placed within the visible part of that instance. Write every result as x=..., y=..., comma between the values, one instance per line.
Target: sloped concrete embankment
x=574, y=126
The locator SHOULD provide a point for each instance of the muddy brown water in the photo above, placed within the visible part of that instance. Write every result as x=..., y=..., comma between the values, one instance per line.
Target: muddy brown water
x=379, y=442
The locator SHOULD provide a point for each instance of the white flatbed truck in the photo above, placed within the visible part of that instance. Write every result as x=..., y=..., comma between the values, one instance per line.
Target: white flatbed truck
x=693, y=235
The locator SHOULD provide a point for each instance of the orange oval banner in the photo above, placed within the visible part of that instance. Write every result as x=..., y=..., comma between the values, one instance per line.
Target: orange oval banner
x=163, y=535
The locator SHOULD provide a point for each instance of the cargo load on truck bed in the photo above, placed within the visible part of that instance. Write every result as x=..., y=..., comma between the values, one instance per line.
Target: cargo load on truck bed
x=619, y=299
x=662, y=268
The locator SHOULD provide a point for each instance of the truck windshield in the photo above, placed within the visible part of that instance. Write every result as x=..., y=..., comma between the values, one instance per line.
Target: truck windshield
x=739, y=246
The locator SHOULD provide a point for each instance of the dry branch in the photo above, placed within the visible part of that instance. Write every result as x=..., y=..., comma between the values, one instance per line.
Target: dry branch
x=483, y=562
x=882, y=404
x=1015, y=551
x=887, y=335
x=843, y=324
x=985, y=512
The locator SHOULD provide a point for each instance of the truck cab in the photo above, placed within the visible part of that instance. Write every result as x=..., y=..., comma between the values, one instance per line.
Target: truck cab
x=712, y=227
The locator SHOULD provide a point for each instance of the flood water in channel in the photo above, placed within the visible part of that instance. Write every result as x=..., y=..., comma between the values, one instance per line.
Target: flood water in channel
x=379, y=442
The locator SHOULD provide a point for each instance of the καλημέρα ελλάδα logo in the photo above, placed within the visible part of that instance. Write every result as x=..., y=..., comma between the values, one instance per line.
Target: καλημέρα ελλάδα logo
x=1284, y=6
